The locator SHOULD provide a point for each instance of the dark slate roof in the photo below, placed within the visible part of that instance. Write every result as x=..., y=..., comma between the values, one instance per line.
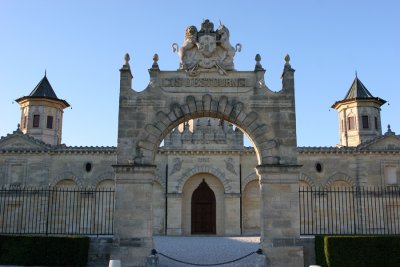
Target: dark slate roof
x=43, y=90
x=358, y=91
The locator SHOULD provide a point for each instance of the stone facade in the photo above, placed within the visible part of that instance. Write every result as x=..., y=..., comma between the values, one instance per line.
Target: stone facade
x=185, y=128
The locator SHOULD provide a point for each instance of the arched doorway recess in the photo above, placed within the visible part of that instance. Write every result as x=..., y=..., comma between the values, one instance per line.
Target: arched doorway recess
x=203, y=210
x=188, y=192
x=207, y=85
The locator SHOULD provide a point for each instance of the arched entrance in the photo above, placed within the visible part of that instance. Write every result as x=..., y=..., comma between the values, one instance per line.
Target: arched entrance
x=203, y=210
x=207, y=87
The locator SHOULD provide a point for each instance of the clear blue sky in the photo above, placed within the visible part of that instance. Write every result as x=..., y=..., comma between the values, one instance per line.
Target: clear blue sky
x=82, y=45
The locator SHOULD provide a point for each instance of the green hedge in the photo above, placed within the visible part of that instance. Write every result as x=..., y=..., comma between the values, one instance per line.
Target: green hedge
x=357, y=251
x=43, y=250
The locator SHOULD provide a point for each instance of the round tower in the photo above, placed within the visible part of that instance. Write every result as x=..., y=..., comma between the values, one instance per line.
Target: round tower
x=359, y=115
x=42, y=113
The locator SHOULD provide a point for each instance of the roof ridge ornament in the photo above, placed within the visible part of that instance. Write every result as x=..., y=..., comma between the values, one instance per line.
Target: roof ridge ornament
x=206, y=49
x=389, y=131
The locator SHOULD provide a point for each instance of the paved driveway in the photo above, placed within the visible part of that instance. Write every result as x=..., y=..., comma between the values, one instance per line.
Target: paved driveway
x=206, y=250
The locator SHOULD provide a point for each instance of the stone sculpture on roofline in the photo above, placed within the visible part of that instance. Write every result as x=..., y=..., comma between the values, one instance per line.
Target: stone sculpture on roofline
x=206, y=49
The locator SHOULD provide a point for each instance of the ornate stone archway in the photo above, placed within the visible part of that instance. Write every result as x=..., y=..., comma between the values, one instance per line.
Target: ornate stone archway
x=206, y=85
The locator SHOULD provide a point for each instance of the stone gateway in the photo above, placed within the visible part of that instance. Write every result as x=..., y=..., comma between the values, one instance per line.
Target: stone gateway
x=267, y=118
x=180, y=166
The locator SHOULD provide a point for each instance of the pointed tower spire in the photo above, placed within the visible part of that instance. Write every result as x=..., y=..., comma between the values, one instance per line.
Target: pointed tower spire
x=359, y=115
x=41, y=113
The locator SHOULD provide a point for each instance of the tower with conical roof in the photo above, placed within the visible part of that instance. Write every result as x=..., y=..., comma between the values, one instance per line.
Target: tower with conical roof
x=42, y=113
x=359, y=115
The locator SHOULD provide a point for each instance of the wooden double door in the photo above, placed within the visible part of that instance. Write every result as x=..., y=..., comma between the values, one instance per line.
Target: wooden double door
x=203, y=210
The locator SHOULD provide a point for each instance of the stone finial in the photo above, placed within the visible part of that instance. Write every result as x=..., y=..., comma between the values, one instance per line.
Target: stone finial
x=287, y=59
x=18, y=127
x=127, y=58
x=155, y=63
x=258, y=63
x=287, y=66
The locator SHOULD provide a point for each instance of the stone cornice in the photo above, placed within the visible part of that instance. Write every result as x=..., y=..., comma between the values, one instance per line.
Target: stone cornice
x=128, y=168
x=61, y=150
x=86, y=150
x=277, y=168
x=344, y=150
x=245, y=150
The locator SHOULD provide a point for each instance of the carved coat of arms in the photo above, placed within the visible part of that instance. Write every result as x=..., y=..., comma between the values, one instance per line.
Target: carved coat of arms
x=206, y=49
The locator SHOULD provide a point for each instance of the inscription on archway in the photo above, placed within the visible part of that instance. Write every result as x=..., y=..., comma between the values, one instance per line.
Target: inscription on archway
x=203, y=82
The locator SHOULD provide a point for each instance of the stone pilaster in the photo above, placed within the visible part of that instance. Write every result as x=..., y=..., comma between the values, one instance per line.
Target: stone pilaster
x=232, y=214
x=133, y=214
x=279, y=207
x=174, y=220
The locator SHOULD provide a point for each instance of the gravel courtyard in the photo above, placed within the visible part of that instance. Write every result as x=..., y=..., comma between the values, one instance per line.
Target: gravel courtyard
x=206, y=250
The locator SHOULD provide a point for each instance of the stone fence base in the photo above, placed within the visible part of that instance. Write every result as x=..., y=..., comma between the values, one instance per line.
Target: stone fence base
x=99, y=251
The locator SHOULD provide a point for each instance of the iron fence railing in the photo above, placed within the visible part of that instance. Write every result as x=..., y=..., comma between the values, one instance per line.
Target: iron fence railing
x=63, y=211
x=71, y=211
x=349, y=210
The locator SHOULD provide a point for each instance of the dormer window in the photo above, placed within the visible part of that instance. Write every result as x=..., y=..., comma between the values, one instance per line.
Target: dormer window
x=365, y=122
x=36, y=121
x=351, y=123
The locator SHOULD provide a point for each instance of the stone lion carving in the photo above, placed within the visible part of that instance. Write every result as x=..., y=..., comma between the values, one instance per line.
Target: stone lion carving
x=187, y=59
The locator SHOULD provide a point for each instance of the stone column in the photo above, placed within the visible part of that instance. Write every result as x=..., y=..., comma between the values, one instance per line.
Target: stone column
x=279, y=208
x=133, y=227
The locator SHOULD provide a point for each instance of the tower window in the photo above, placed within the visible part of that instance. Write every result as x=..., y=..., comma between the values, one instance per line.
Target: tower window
x=36, y=121
x=49, y=122
x=365, y=122
x=376, y=123
x=351, y=123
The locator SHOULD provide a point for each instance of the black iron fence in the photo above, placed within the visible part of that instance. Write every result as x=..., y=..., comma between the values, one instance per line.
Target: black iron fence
x=349, y=211
x=71, y=211
x=64, y=211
